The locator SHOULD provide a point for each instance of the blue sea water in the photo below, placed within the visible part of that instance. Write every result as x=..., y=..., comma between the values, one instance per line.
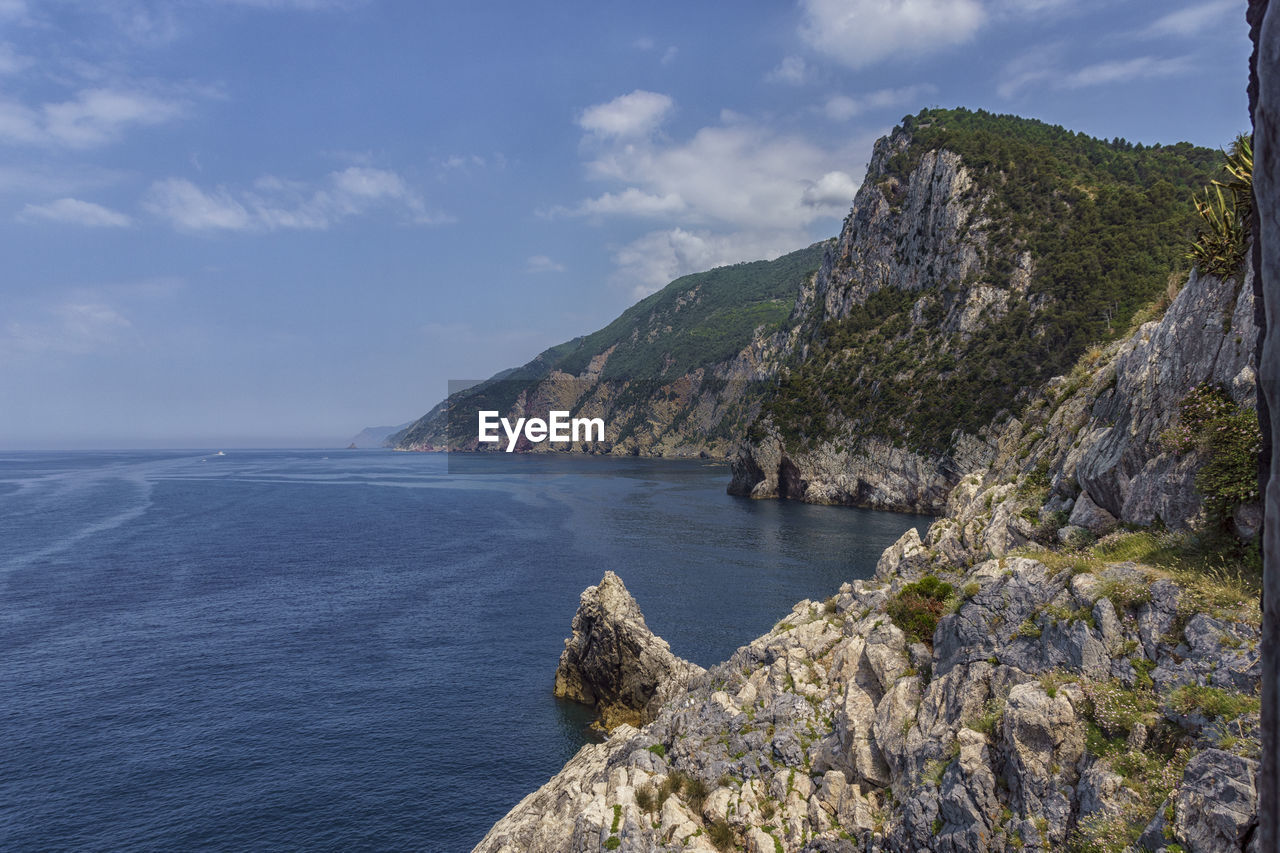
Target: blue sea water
x=346, y=650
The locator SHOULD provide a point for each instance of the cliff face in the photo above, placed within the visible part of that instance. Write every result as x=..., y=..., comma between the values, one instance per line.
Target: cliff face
x=982, y=693
x=870, y=472
x=929, y=237
x=1264, y=105
x=1094, y=449
x=943, y=306
x=1016, y=731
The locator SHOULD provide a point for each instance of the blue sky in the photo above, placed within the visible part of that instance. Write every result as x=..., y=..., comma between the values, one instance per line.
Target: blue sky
x=275, y=222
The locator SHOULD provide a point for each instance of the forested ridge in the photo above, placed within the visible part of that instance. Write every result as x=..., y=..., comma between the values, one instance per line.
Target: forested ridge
x=1105, y=224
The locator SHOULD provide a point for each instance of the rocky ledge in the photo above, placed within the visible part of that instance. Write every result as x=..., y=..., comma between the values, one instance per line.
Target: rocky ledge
x=614, y=662
x=1058, y=701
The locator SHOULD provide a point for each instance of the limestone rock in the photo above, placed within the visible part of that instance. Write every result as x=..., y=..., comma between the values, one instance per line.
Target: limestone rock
x=1075, y=536
x=1091, y=517
x=1206, y=335
x=1043, y=740
x=614, y=662
x=798, y=739
x=927, y=238
x=1215, y=807
x=547, y=820
x=876, y=474
x=902, y=556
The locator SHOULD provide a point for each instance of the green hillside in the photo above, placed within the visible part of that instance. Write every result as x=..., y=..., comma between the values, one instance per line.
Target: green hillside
x=698, y=320
x=712, y=316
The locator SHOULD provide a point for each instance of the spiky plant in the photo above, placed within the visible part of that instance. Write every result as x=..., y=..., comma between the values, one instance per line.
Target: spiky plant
x=1239, y=166
x=1219, y=248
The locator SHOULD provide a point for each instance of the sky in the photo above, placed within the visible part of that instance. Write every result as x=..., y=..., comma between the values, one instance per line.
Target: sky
x=259, y=223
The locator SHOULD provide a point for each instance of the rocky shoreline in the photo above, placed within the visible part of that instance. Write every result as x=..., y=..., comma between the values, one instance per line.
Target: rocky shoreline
x=838, y=731
x=1028, y=676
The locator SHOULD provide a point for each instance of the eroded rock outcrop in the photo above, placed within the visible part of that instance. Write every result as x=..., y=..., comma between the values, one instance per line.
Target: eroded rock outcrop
x=1090, y=450
x=838, y=731
x=614, y=662
x=1061, y=699
x=874, y=474
x=1207, y=336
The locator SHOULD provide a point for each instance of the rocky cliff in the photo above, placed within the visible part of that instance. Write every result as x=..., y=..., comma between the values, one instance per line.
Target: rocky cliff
x=982, y=255
x=1032, y=721
x=1117, y=441
x=969, y=271
x=614, y=662
x=1025, y=677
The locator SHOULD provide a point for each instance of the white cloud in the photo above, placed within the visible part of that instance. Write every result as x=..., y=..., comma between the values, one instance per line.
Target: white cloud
x=739, y=190
x=19, y=124
x=832, y=189
x=1038, y=68
x=143, y=22
x=93, y=117
x=541, y=263
x=1139, y=68
x=844, y=107
x=626, y=116
x=360, y=182
x=648, y=263
x=275, y=203
x=1008, y=8
x=462, y=162
x=792, y=70
x=858, y=33
x=1038, y=65
x=73, y=211
x=629, y=202
x=647, y=44
x=742, y=175
x=1194, y=20
x=188, y=207
x=96, y=116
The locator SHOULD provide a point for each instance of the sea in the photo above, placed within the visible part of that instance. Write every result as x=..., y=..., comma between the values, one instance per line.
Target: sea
x=347, y=650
